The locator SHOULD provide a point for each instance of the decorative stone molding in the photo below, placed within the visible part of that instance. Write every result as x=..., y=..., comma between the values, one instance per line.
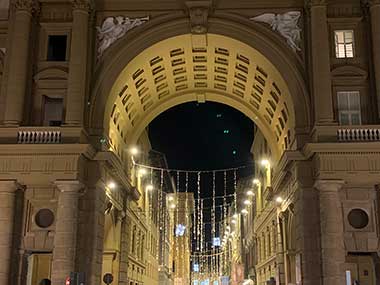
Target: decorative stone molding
x=84, y=5
x=198, y=12
x=285, y=24
x=69, y=185
x=30, y=6
x=9, y=186
x=329, y=185
x=114, y=28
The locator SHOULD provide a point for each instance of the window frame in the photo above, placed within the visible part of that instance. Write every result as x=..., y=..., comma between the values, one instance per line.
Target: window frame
x=336, y=43
x=349, y=112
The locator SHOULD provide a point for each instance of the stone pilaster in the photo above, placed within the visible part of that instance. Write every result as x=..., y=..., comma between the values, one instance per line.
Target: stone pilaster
x=91, y=232
x=374, y=9
x=280, y=249
x=18, y=52
x=65, y=231
x=332, y=232
x=76, y=91
x=320, y=60
x=8, y=190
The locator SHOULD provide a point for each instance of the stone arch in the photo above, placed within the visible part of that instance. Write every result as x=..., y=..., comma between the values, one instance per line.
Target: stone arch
x=141, y=49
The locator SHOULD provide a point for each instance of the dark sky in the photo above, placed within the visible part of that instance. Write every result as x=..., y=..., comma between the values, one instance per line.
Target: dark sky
x=202, y=136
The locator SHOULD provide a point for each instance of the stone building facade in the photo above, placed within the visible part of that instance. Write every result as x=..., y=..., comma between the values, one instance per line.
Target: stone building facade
x=82, y=79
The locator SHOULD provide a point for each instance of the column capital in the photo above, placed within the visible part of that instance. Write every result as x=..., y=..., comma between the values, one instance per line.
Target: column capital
x=371, y=3
x=9, y=186
x=82, y=5
x=315, y=3
x=29, y=6
x=69, y=185
x=329, y=185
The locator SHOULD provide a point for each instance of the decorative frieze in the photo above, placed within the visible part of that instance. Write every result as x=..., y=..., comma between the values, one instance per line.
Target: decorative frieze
x=286, y=25
x=114, y=28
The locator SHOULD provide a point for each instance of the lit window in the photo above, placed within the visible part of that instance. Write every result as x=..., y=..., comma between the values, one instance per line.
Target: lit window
x=349, y=107
x=344, y=44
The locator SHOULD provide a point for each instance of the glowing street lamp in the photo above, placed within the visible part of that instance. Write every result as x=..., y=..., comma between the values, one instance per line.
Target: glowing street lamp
x=134, y=150
x=279, y=200
x=149, y=187
x=111, y=185
x=142, y=171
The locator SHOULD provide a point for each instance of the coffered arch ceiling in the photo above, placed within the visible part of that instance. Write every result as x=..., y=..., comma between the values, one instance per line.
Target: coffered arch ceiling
x=174, y=71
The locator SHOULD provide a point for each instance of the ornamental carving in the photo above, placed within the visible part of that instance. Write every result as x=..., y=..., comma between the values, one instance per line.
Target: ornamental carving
x=31, y=6
x=198, y=12
x=113, y=28
x=311, y=3
x=84, y=5
x=286, y=25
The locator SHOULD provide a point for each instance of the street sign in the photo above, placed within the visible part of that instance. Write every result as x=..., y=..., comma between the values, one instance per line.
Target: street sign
x=108, y=278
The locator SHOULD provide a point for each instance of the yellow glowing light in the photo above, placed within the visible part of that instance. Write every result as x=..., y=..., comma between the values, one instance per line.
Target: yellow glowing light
x=111, y=185
x=244, y=211
x=134, y=150
x=170, y=198
x=149, y=187
x=250, y=193
x=142, y=171
x=279, y=199
x=247, y=202
x=256, y=181
x=235, y=216
x=265, y=162
x=172, y=206
x=233, y=221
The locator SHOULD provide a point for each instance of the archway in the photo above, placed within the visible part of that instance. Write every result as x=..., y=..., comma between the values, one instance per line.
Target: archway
x=263, y=83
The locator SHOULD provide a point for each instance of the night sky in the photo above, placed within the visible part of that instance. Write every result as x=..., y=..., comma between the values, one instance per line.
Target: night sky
x=202, y=136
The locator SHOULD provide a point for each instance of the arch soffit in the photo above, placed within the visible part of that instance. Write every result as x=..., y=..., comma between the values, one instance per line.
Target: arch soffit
x=127, y=48
x=253, y=34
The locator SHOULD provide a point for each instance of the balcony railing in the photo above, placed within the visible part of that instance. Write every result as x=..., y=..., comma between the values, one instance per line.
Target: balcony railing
x=39, y=137
x=358, y=134
x=43, y=135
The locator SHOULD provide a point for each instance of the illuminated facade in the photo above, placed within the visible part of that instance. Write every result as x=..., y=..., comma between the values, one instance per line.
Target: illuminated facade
x=81, y=80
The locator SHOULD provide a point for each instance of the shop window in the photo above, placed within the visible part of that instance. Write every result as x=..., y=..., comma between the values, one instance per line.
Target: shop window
x=344, y=44
x=349, y=107
x=57, y=45
x=53, y=111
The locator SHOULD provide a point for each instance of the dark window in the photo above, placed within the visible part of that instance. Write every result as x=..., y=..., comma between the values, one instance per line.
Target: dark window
x=53, y=111
x=57, y=48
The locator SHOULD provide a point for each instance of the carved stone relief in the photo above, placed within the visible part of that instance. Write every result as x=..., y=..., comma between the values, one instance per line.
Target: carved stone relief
x=113, y=28
x=286, y=25
x=198, y=13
